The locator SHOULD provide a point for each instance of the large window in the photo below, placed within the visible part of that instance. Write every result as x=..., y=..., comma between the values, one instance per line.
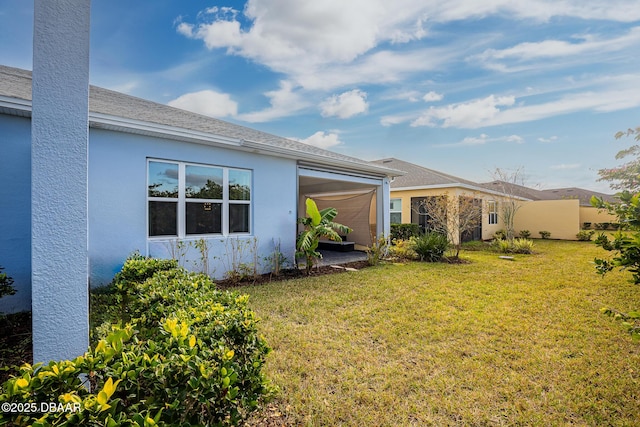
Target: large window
x=493, y=212
x=396, y=211
x=190, y=199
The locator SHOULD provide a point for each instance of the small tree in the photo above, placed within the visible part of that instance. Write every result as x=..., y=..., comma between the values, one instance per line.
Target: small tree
x=507, y=183
x=626, y=176
x=453, y=216
x=624, y=245
x=317, y=224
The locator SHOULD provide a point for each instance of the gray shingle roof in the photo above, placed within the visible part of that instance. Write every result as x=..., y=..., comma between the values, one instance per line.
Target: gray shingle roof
x=418, y=176
x=579, y=193
x=517, y=190
x=16, y=83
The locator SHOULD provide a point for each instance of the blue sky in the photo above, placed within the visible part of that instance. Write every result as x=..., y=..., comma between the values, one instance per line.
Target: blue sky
x=460, y=86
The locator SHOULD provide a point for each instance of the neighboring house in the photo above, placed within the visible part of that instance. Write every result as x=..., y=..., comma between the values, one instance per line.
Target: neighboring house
x=410, y=192
x=562, y=212
x=159, y=175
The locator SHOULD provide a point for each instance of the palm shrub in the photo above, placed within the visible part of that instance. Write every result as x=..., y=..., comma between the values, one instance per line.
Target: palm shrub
x=501, y=245
x=431, y=246
x=522, y=246
x=317, y=224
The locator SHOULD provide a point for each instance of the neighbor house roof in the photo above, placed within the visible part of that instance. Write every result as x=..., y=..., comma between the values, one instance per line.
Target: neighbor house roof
x=517, y=190
x=117, y=111
x=581, y=194
x=419, y=177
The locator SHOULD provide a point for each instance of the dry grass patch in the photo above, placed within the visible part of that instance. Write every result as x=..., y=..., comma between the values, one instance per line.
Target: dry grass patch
x=491, y=342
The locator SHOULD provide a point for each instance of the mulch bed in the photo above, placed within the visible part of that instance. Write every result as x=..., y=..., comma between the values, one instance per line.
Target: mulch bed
x=292, y=273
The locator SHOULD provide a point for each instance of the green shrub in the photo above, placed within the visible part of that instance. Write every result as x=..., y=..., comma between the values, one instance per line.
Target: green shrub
x=192, y=356
x=501, y=245
x=585, y=235
x=404, y=231
x=500, y=235
x=6, y=284
x=378, y=250
x=135, y=271
x=586, y=225
x=545, y=234
x=516, y=246
x=522, y=246
x=431, y=246
x=525, y=234
x=404, y=249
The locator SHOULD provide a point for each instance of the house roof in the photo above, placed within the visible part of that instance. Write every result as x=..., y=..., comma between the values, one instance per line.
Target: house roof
x=418, y=176
x=517, y=190
x=117, y=111
x=581, y=194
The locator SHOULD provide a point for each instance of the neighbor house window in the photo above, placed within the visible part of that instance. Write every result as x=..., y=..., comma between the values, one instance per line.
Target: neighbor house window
x=186, y=199
x=493, y=212
x=396, y=211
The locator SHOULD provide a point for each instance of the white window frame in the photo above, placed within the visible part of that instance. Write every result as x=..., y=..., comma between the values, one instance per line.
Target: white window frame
x=182, y=201
x=398, y=199
x=493, y=212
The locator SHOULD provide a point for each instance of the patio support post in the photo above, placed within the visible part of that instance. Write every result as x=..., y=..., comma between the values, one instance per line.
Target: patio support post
x=383, y=203
x=59, y=164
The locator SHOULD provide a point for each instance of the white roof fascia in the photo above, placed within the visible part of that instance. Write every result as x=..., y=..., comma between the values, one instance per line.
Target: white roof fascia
x=105, y=121
x=321, y=160
x=465, y=186
x=15, y=106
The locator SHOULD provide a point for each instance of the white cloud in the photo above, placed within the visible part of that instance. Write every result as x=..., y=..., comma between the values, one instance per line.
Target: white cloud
x=564, y=166
x=603, y=95
x=409, y=95
x=432, y=97
x=548, y=140
x=513, y=58
x=322, y=140
x=284, y=102
x=464, y=115
x=345, y=105
x=207, y=102
x=483, y=139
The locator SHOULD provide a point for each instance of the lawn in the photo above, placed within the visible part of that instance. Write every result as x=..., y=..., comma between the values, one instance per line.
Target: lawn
x=488, y=342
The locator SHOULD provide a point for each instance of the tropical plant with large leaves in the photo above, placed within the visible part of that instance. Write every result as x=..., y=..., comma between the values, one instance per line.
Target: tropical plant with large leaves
x=317, y=224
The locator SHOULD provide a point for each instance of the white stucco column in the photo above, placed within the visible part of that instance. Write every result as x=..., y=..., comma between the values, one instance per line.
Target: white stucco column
x=59, y=154
x=383, y=205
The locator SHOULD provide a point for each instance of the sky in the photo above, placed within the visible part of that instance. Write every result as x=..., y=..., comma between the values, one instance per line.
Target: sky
x=461, y=86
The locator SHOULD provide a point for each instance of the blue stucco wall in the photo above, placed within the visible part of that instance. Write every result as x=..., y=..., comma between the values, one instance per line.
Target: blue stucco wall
x=15, y=209
x=118, y=198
